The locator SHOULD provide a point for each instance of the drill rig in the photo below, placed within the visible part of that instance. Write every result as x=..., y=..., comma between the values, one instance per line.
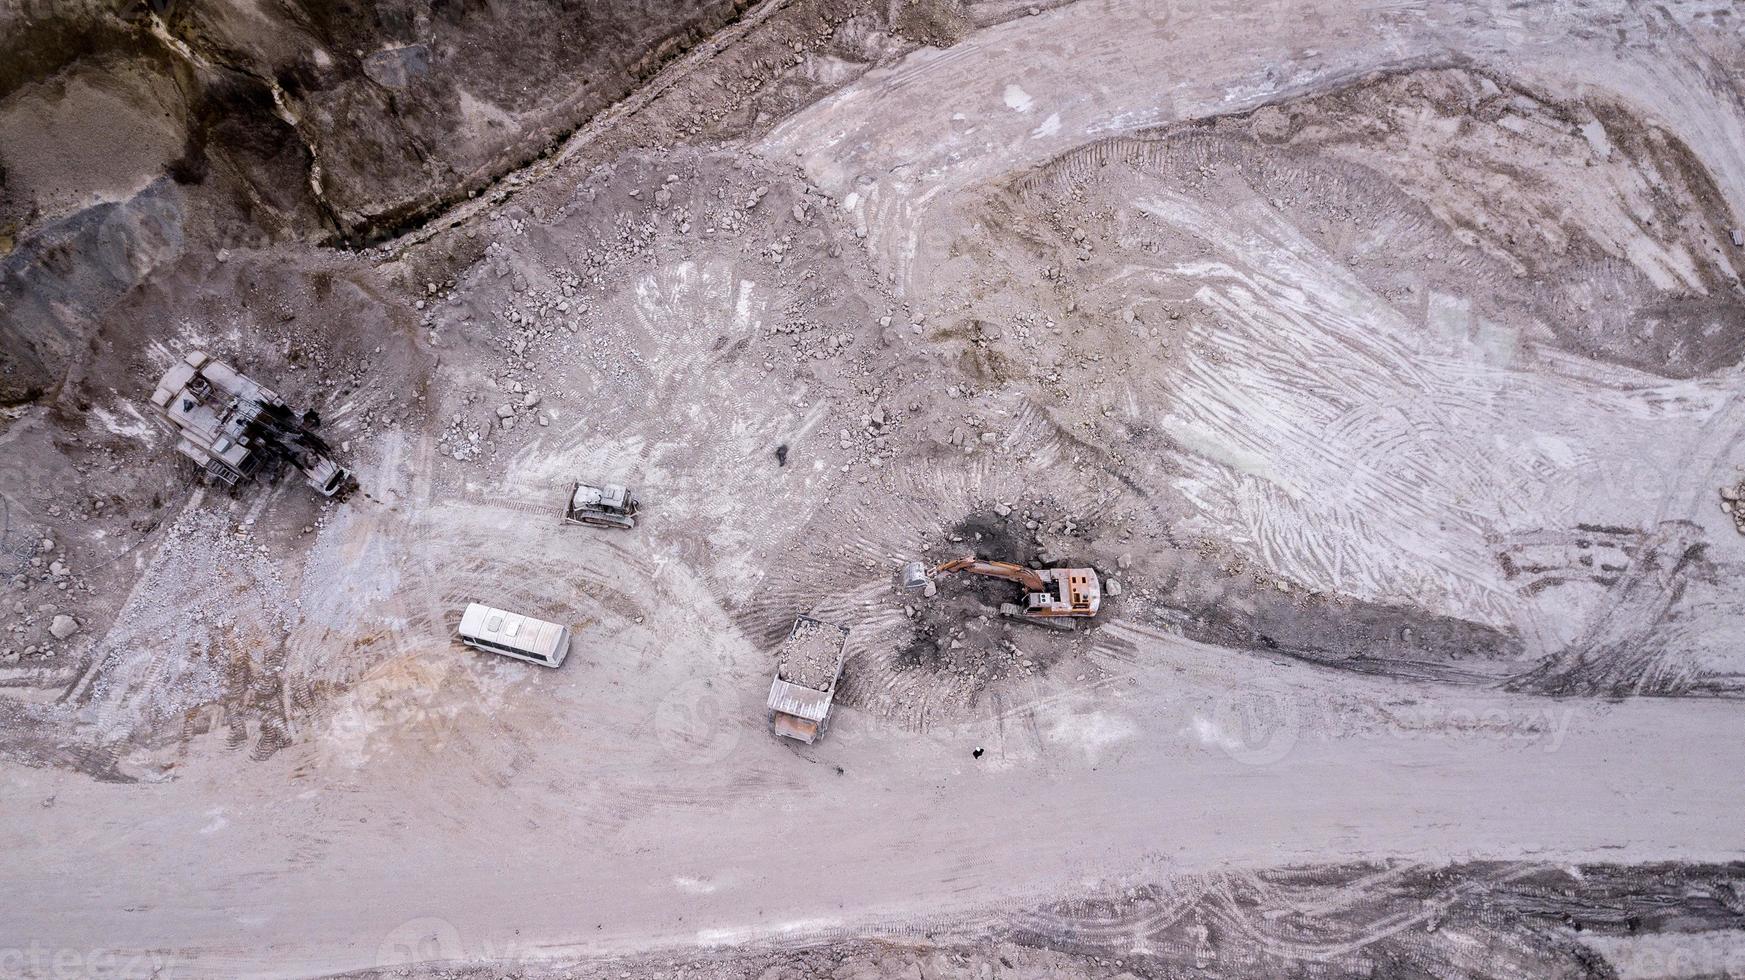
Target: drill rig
x=234, y=427
x=1049, y=593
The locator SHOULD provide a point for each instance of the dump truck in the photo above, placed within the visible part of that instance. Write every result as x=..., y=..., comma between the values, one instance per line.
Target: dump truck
x=611, y=505
x=808, y=666
x=236, y=428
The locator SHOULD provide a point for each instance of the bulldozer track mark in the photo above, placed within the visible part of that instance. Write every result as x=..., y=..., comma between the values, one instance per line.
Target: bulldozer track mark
x=1624, y=650
x=517, y=505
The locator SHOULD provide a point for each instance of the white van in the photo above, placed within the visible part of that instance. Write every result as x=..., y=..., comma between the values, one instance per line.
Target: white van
x=514, y=635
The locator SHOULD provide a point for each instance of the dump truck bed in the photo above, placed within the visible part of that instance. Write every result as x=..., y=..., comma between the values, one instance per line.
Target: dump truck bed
x=811, y=656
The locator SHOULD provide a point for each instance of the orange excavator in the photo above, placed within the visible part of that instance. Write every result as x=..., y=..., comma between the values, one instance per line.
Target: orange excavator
x=1049, y=593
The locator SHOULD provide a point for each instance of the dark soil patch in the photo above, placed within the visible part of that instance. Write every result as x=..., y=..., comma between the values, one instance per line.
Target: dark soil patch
x=961, y=630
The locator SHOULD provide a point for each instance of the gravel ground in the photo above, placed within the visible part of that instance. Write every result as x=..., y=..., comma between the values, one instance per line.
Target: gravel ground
x=1397, y=391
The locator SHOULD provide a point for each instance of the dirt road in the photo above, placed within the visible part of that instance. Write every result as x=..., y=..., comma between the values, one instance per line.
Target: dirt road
x=605, y=839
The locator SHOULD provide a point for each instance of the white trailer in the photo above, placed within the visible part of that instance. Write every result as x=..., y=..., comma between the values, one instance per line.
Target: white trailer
x=514, y=635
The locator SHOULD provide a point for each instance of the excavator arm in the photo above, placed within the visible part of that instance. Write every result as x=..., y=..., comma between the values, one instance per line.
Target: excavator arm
x=1026, y=577
x=1048, y=593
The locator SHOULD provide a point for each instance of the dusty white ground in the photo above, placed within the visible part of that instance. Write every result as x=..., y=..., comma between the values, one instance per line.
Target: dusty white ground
x=1300, y=372
x=627, y=828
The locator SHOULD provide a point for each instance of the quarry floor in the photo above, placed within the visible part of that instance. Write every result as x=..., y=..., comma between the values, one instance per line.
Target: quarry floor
x=1387, y=355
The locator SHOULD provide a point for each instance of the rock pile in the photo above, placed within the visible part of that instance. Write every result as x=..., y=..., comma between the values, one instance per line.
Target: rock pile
x=43, y=566
x=1733, y=504
x=808, y=656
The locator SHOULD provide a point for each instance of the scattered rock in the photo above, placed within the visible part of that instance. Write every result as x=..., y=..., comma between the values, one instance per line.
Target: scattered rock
x=63, y=627
x=1733, y=505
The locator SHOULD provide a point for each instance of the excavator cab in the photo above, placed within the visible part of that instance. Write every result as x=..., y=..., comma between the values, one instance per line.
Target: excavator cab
x=1080, y=589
